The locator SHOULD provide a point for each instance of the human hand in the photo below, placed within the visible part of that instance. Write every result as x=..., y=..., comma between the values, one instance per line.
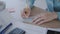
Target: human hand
x=44, y=17
x=26, y=12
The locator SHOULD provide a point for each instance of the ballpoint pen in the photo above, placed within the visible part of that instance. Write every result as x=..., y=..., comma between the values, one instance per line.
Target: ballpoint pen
x=6, y=28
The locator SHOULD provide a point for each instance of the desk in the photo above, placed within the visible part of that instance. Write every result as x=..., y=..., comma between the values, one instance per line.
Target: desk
x=35, y=29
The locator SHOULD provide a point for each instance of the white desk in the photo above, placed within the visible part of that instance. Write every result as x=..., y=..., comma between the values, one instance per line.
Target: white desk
x=17, y=21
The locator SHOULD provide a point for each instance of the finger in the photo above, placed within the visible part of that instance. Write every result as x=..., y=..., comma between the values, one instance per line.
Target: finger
x=44, y=21
x=24, y=14
x=38, y=20
x=27, y=13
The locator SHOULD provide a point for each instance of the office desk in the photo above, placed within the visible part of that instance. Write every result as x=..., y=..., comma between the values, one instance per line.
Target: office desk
x=33, y=29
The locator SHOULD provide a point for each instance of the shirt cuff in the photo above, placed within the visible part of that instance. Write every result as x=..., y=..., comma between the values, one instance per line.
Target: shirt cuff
x=32, y=3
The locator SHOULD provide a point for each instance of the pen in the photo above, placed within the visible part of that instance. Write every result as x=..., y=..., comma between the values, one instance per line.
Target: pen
x=5, y=29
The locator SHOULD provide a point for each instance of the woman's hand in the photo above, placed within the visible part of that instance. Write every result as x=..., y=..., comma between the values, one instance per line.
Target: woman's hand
x=45, y=17
x=26, y=12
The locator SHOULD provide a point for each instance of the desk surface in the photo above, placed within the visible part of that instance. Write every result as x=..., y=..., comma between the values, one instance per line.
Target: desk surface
x=30, y=29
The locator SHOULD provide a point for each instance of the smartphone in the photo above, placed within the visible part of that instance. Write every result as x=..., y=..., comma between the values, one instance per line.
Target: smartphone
x=52, y=32
x=28, y=20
